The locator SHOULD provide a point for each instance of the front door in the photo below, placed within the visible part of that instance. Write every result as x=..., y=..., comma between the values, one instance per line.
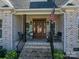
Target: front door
x=39, y=28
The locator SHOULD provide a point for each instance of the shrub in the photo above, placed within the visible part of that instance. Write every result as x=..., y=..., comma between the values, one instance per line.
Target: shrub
x=58, y=54
x=2, y=52
x=11, y=55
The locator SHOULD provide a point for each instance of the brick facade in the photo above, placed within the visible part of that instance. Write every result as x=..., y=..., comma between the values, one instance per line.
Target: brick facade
x=6, y=39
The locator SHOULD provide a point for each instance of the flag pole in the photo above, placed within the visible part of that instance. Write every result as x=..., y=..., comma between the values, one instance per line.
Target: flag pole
x=52, y=31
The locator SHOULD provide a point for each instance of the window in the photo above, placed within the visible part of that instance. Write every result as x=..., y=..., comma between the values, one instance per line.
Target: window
x=78, y=27
x=0, y=28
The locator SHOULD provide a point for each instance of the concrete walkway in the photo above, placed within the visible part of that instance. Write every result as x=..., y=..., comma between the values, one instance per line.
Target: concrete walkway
x=36, y=50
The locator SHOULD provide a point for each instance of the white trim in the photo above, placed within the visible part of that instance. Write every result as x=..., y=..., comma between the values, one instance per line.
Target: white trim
x=71, y=1
x=8, y=3
x=6, y=8
x=36, y=11
x=65, y=33
x=11, y=33
x=67, y=3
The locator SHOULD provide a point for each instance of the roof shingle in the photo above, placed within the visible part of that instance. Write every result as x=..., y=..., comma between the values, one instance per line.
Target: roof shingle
x=25, y=4
x=47, y=4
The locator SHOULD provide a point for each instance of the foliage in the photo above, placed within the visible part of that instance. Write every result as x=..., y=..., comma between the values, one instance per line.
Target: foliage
x=2, y=52
x=58, y=54
x=11, y=55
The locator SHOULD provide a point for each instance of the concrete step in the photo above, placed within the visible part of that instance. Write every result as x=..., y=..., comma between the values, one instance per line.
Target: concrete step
x=35, y=50
x=37, y=45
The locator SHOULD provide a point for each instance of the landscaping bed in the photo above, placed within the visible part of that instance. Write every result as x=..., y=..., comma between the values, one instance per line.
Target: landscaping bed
x=4, y=54
x=59, y=54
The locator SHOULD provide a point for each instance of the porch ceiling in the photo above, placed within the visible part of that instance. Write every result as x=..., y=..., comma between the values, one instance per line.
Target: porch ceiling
x=36, y=11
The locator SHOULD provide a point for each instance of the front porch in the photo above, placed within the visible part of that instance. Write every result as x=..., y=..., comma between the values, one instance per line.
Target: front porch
x=20, y=26
x=37, y=26
x=34, y=26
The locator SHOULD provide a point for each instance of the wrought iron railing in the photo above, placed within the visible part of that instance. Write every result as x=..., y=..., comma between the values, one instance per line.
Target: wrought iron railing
x=21, y=43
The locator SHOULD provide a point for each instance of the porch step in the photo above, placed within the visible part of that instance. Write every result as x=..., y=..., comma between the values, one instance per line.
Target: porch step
x=36, y=50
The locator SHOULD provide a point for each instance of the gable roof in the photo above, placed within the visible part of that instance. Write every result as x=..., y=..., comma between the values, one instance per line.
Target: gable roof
x=61, y=2
x=72, y=3
x=5, y=3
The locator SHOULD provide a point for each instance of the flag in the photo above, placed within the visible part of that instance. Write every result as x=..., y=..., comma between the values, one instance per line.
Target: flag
x=52, y=17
